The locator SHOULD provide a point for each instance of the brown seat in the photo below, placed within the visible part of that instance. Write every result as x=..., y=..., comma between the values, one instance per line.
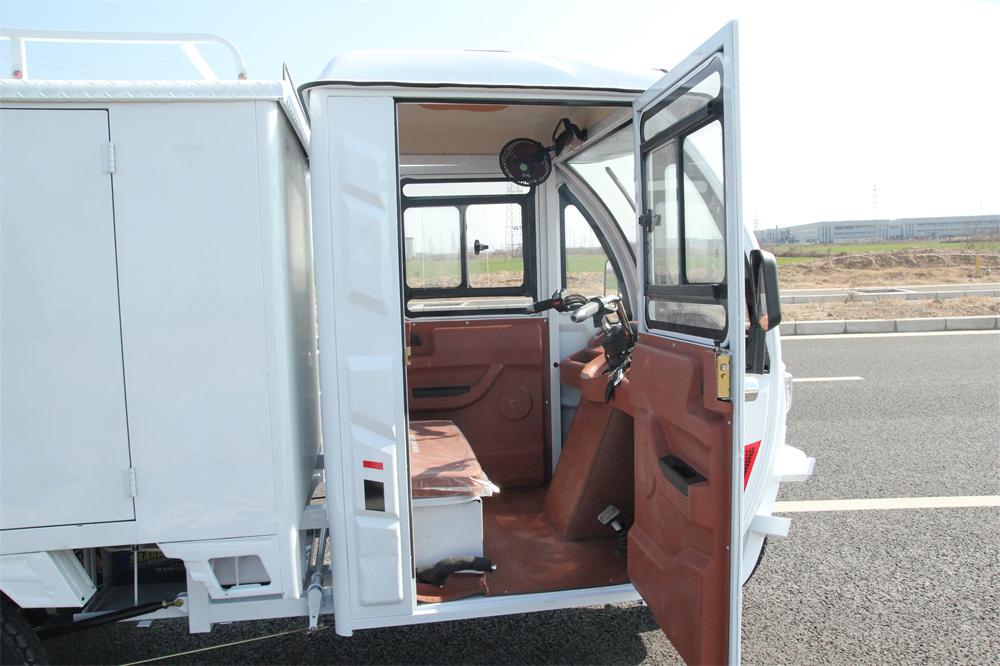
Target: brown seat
x=442, y=463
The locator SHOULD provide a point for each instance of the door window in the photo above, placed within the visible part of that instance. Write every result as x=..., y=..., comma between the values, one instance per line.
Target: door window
x=684, y=210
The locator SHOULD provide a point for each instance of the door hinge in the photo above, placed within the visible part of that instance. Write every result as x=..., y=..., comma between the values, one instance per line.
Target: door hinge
x=723, y=365
x=130, y=482
x=109, y=157
x=408, y=354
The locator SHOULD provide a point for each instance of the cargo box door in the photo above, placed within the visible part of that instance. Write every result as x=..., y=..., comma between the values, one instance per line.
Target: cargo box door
x=64, y=445
x=690, y=352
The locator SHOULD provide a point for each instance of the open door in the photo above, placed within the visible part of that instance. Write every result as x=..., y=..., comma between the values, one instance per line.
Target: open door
x=688, y=453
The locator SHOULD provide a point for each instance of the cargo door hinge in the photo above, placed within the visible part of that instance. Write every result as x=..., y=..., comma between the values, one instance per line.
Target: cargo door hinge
x=109, y=157
x=723, y=365
x=130, y=482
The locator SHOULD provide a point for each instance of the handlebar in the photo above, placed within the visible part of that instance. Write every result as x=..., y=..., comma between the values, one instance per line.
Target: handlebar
x=585, y=311
x=561, y=300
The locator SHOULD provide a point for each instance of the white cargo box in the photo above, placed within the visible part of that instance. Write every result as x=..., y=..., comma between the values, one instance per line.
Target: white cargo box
x=158, y=315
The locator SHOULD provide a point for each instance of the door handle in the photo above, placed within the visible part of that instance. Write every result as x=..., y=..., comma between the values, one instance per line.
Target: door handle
x=680, y=473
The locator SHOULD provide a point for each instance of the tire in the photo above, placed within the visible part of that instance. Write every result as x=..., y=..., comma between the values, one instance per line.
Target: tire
x=760, y=556
x=19, y=644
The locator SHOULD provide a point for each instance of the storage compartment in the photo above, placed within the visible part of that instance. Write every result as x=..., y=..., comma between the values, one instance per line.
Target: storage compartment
x=447, y=484
x=446, y=527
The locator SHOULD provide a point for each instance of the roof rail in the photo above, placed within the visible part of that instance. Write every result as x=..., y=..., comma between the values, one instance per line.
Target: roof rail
x=187, y=41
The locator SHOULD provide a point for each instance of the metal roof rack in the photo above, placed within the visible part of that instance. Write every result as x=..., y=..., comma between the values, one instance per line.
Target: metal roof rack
x=187, y=41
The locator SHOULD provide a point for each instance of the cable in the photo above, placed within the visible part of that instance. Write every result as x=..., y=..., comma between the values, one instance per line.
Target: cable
x=224, y=645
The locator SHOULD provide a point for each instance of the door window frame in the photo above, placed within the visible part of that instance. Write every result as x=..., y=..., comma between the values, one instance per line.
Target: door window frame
x=685, y=292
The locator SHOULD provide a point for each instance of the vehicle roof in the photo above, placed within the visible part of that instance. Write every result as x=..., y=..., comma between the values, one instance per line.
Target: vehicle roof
x=478, y=69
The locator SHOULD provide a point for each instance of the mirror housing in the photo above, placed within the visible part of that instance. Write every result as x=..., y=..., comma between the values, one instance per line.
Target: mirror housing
x=766, y=305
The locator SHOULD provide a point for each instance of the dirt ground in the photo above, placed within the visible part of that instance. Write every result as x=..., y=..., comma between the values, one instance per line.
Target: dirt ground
x=904, y=267
x=898, y=268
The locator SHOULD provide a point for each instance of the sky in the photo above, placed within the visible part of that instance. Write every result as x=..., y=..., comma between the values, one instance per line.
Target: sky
x=851, y=109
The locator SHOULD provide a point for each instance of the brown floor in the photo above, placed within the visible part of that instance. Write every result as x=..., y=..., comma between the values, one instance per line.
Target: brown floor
x=531, y=556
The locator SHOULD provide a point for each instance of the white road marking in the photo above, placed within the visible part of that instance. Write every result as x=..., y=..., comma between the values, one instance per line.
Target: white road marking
x=826, y=379
x=862, y=336
x=888, y=503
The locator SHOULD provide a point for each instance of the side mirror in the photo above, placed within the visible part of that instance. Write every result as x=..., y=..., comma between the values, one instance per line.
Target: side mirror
x=766, y=306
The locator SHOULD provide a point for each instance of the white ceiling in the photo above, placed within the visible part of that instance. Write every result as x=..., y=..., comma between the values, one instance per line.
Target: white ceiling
x=483, y=129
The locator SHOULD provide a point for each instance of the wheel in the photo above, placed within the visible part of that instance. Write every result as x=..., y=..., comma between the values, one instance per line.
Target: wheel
x=19, y=644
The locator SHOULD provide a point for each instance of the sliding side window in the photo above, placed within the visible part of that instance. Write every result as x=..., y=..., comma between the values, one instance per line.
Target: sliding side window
x=468, y=246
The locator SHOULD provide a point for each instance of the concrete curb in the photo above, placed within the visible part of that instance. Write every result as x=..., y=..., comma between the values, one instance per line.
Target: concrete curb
x=792, y=299
x=987, y=323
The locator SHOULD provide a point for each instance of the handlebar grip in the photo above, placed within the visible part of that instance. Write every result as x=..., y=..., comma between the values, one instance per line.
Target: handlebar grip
x=542, y=306
x=585, y=311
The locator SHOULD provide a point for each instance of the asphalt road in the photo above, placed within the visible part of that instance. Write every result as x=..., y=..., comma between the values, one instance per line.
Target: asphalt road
x=880, y=586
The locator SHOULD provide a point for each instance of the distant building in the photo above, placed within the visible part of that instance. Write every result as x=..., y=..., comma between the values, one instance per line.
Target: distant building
x=901, y=229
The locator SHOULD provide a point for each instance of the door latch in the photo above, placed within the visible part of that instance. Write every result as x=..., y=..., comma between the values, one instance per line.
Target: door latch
x=723, y=366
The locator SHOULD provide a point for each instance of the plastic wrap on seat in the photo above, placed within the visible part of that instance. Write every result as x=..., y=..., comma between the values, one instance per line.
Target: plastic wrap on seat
x=442, y=463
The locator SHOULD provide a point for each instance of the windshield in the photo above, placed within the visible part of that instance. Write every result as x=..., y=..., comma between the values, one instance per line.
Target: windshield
x=608, y=168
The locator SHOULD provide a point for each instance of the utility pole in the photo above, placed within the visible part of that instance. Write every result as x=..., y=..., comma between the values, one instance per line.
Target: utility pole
x=512, y=232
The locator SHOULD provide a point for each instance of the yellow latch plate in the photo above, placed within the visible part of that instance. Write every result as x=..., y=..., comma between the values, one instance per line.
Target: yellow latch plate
x=723, y=365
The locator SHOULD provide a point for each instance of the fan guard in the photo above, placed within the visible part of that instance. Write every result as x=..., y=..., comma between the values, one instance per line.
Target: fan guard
x=525, y=162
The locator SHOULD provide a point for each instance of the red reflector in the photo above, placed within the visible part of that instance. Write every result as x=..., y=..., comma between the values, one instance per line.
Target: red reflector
x=749, y=457
x=372, y=465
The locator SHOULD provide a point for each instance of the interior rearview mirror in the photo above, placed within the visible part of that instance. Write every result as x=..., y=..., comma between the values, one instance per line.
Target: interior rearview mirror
x=766, y=313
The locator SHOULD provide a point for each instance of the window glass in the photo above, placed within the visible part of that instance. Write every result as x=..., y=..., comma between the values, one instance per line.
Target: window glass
x=609, y=169
x=711, y=316
x=495, y=229
x=461, y=189
x=696, y=97
x=663, y=260
x=585, y=257
x=432, y=240
x=704, y=213
x=468, y=251
x=686, y=239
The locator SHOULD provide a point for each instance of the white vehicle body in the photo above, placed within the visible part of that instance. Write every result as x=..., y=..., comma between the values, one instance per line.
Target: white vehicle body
x=211, y=304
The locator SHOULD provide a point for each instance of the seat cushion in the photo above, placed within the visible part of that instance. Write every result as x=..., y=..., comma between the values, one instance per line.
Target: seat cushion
x=442, y=463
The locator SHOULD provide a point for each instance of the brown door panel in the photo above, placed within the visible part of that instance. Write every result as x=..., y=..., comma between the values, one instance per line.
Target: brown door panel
x=489, y=378
x=679, y=556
